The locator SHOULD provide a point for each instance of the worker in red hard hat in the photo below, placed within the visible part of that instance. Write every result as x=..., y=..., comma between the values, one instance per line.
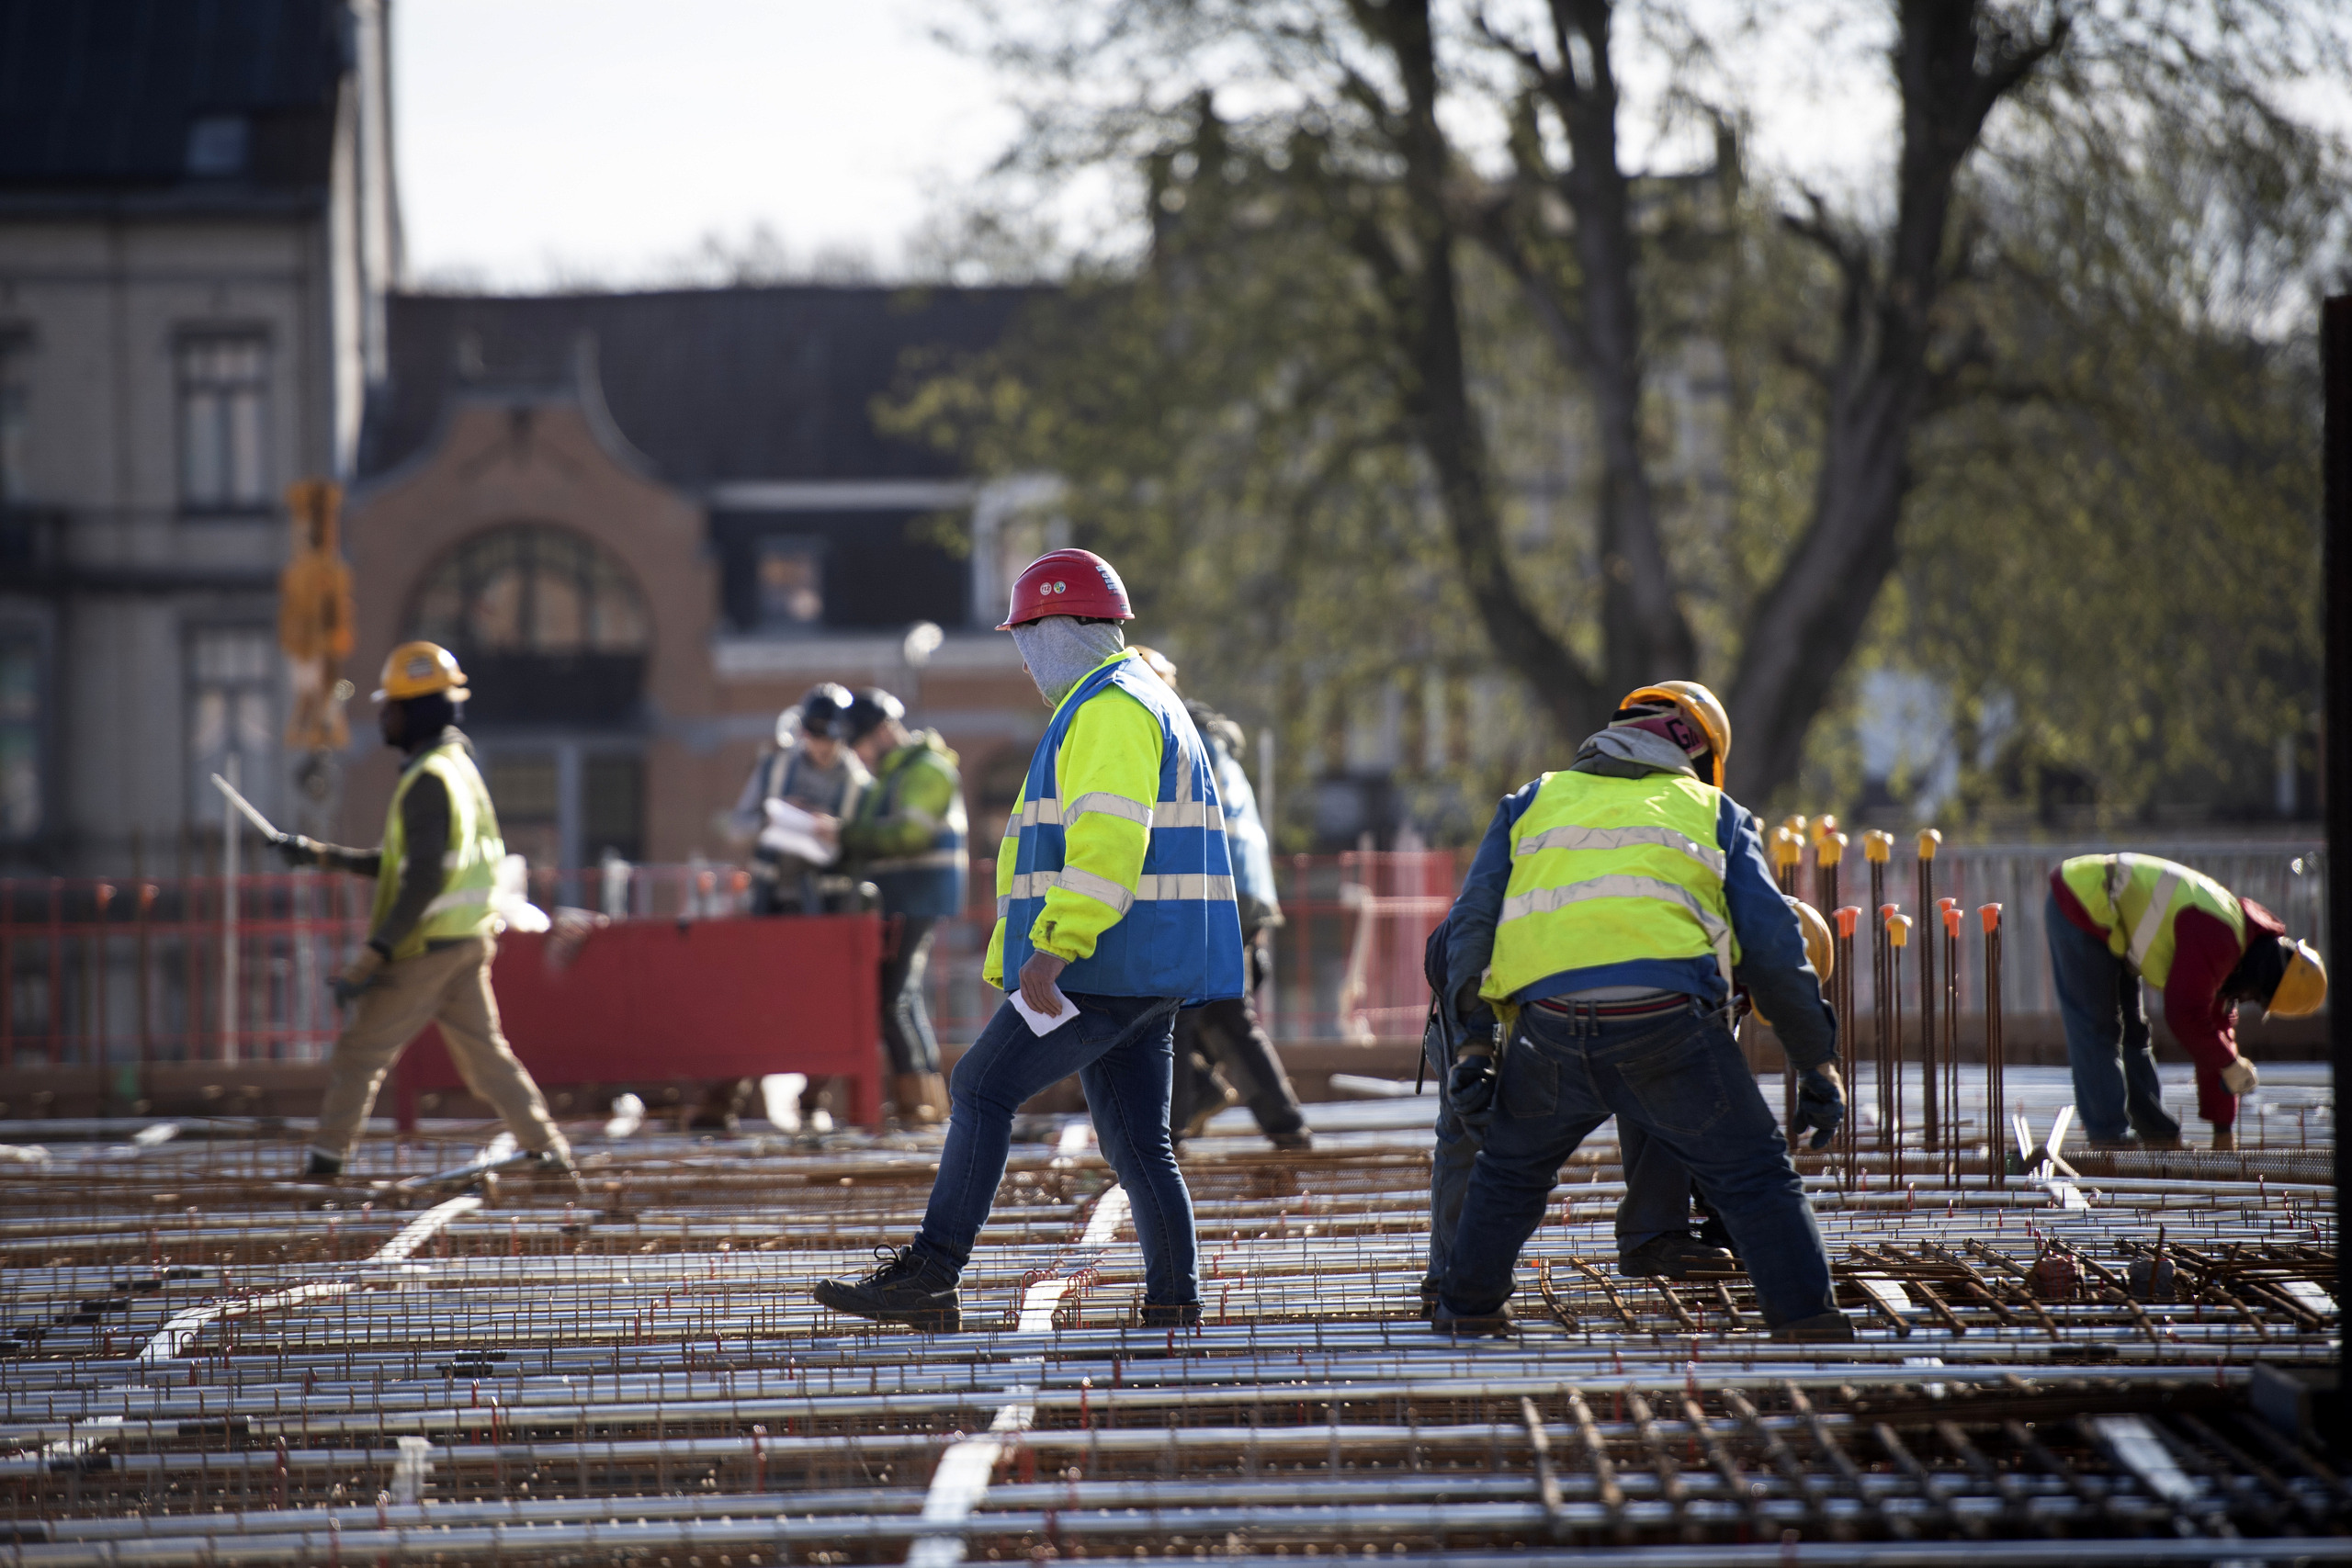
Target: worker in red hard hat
x=1116, y=906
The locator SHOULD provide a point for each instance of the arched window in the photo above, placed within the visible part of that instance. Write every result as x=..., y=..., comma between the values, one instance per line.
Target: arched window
x=532, y=588
x=549, y=624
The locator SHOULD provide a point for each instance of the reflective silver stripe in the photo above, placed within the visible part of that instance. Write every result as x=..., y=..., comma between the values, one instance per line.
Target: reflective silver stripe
x=1185, y=885
x=1189, y=814
x=1572, y=838
x=1544, y=900
x=2152, y=918
x=1046, y=810
x=1109, y=804
x=458, y=900
x=1149, y=888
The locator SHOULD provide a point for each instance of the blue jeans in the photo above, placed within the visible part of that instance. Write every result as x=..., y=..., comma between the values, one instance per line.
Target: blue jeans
x=2115, y=1086
x=1120, y=1048
x=1683, y=1082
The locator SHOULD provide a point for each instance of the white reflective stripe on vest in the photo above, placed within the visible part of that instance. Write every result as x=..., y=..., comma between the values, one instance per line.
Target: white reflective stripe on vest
x=457, y=901
x=1189, y=814
x=1150, y=889
x=1047, y=810
x=1544, y=900
x=1108, y=805
x=1574, y=838
x=2152, y=918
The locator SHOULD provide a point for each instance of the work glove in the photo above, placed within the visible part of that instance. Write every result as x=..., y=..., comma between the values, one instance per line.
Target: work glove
x=297, y=851
x=362, y=971
x=1470, y=1087
x=2239, y=1077
x=1821, y=1104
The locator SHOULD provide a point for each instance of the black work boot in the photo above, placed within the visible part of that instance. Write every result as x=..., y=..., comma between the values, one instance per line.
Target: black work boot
x=321, y=1168
x=1172, y=1315
x=1672, y=1257
x=1429, y=1295
x=1495, y=1324
x=909, y=1288
x=1821, y=1328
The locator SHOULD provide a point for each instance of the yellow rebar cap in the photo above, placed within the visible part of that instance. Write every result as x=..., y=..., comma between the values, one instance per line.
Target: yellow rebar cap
x=2302, y=987
x=419, y=670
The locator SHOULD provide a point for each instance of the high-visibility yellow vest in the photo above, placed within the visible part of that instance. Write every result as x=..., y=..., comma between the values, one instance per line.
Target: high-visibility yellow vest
x=2139, y=897
x=469, y=868
x=1609, y=870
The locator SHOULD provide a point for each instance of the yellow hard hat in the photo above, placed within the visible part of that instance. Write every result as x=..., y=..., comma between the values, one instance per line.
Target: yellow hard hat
x=1819, y=946
x=419, y=670
x=1158, y=663
x=2302, y=987
x=1700, y=706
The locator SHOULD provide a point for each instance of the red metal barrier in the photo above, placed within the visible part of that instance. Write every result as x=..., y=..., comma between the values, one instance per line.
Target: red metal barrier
x=689, y=999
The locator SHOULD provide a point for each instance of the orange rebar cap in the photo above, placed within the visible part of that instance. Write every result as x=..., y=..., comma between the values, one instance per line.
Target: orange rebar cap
x=1849, y=916
x=1991, y=915
x=1951, y=916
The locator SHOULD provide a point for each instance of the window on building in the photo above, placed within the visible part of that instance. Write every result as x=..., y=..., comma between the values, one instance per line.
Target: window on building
x=613, y=812
x=21, y=758
x=792, y=584
x=548, y=624
x=16, y=414
x=526, y=789
x=233, y=712
x=224, y=405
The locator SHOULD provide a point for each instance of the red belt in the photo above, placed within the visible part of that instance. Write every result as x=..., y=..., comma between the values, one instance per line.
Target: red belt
x=1612, y=1010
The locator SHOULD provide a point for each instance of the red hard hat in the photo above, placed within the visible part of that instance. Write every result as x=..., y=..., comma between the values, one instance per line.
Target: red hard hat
x=1068, y=582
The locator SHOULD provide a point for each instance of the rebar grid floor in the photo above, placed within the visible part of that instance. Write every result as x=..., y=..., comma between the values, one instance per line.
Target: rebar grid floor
x=201, y=1361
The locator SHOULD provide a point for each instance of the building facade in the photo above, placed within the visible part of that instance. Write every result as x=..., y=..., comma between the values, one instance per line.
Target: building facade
x=196, y=231
x=647, y=522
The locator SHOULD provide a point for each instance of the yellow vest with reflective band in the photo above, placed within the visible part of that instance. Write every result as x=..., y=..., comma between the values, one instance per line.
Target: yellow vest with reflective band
x=1607, y=871
x=2137, y=899
x=462, y=907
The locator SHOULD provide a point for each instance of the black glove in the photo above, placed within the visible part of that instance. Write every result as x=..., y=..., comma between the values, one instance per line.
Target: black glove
x=1470, y=1087
x=297, y=851
x=1821, y=1104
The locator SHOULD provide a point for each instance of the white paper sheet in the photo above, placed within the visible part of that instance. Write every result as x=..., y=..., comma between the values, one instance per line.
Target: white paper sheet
x=793, y=831
x=1038, y=1022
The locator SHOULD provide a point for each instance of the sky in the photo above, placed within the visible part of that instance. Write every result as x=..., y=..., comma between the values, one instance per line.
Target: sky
x=540, y=140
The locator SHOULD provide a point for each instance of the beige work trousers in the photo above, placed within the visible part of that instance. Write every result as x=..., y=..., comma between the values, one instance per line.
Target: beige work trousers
x=448, y=985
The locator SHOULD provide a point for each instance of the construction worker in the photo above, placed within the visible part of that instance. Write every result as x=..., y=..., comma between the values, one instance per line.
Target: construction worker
x=2115, y=920
x=1114, y=907
x=1226, y=1034
x=433, y=931
x=1654, y=1236
x=1607, y=913
x=908, y=839
x=811, y=768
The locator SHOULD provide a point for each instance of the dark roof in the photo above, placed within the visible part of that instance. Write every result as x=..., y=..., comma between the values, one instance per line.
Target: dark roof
x=709, y=384
x=208, y=99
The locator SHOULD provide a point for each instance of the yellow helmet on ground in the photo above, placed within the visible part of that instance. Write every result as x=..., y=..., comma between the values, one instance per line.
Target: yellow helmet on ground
x=419, y=670
x=1820, y=947
x=2302, y=987
x=1698, y=705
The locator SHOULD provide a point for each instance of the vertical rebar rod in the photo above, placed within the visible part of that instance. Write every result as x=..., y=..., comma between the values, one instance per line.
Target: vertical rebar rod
x=1841, y=991
x=1949, y=909
x=1928, y=1099
x=1898, y=936
x=1996, y=1141
x=1878, y=848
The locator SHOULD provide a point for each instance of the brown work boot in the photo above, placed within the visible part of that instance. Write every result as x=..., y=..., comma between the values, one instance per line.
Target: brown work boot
x=934, y=1095
x=2225, y=1139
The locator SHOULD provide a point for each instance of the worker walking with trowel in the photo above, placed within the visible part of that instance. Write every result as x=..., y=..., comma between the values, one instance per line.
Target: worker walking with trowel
x=1602, y=926
x=440, y=903
x=1114, y=907
x=2115, y=920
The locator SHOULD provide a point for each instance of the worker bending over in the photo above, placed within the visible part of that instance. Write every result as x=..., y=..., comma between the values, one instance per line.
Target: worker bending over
x=1114, y=907
x=907, y=838
x=432, y=933
x=1606, y=915
x=2115, y=920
